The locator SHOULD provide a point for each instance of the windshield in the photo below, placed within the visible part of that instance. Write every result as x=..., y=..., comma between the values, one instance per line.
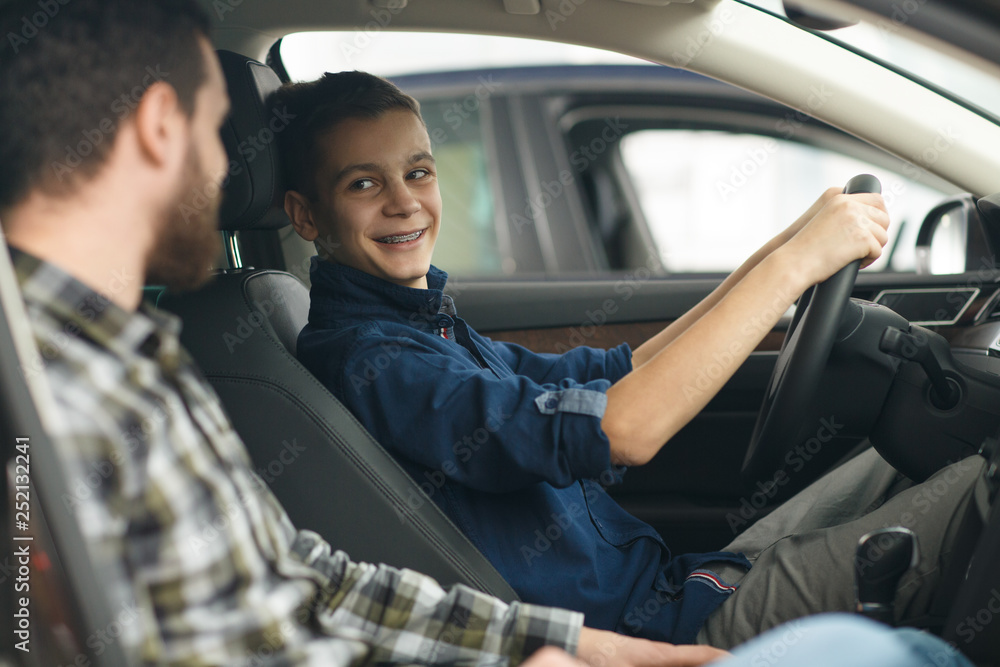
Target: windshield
x=886, y=40
x=308, y=55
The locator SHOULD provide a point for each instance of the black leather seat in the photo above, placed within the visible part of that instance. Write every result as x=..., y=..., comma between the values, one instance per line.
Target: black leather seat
x=328, y=472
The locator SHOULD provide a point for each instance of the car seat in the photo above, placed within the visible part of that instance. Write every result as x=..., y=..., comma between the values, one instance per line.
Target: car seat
x=327, y=471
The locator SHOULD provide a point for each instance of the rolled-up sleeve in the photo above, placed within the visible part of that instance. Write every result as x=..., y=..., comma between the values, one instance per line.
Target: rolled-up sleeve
x=490, y=433
x=576, y=400
x=581, y=363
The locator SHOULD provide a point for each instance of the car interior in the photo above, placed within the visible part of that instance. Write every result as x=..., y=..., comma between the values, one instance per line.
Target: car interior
x=319, y=461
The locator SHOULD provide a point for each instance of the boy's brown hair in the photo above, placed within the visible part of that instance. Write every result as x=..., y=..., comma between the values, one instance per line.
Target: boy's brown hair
x=317, y=107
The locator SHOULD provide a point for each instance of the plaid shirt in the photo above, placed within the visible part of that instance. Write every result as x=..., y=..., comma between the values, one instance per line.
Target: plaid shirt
x=200, y=558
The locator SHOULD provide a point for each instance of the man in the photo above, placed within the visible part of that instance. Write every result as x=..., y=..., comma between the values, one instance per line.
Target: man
x=111, y=113
x=362, y=177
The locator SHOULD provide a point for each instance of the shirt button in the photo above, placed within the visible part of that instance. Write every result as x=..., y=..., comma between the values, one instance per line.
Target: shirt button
x=552, y=403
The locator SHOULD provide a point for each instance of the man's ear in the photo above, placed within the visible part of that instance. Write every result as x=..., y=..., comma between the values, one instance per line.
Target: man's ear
x=299, y=212
x=159, y=124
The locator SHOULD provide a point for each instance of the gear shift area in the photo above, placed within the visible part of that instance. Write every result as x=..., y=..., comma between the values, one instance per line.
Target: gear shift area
x=882, y=558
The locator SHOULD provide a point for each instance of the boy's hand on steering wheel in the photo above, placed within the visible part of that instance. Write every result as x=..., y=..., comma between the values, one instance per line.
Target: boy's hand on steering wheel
x=810, y=213
x=846, y=228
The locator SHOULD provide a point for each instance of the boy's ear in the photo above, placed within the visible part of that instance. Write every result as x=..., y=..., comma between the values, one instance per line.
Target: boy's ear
x=299, y=212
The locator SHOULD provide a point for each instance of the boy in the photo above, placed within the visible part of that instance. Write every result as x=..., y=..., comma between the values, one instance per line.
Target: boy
x=362, y=180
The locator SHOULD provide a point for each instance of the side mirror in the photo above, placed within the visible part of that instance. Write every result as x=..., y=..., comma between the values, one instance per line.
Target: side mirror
x=953, y=239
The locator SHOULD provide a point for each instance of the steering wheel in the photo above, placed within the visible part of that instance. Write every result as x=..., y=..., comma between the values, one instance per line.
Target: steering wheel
x=803, y=356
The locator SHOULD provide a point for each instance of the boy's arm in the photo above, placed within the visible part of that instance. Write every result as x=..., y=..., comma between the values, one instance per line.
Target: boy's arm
x=489, y=433
x=582, y=363
x=647, y=350
x=650, y=404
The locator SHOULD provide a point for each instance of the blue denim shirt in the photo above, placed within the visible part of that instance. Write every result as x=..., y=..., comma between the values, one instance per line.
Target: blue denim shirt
x=509, y=444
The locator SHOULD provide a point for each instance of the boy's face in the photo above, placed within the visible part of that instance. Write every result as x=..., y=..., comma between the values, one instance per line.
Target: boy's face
x=378, y=206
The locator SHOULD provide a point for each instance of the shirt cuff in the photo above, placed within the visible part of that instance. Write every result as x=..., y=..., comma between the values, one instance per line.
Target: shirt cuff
x=539, y=626
x=578, y=401
x=619, y=362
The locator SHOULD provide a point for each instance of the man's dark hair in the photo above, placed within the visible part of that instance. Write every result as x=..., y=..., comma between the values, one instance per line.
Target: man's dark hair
x=317, y=107
x=72, y=70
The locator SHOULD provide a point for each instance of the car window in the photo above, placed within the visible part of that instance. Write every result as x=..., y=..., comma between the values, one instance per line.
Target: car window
x=469, y=244
x=710, y=198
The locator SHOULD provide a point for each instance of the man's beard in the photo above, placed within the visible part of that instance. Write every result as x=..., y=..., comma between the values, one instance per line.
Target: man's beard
x=189, y=239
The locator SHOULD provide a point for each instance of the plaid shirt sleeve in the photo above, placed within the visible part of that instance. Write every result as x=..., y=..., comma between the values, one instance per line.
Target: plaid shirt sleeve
x=201, y=564
x=460, y=626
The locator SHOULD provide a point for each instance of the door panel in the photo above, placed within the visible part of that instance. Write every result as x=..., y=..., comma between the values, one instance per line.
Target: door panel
x=692, y=491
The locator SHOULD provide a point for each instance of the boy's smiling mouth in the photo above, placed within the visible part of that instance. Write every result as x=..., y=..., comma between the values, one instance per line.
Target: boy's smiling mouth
x=401, y=238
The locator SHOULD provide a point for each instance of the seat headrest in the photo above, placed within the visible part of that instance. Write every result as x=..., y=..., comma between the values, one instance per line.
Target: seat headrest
x=254, y=193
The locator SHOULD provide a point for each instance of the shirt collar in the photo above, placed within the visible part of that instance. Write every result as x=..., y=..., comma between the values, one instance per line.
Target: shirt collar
x=340, y=290
x=87, y=313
